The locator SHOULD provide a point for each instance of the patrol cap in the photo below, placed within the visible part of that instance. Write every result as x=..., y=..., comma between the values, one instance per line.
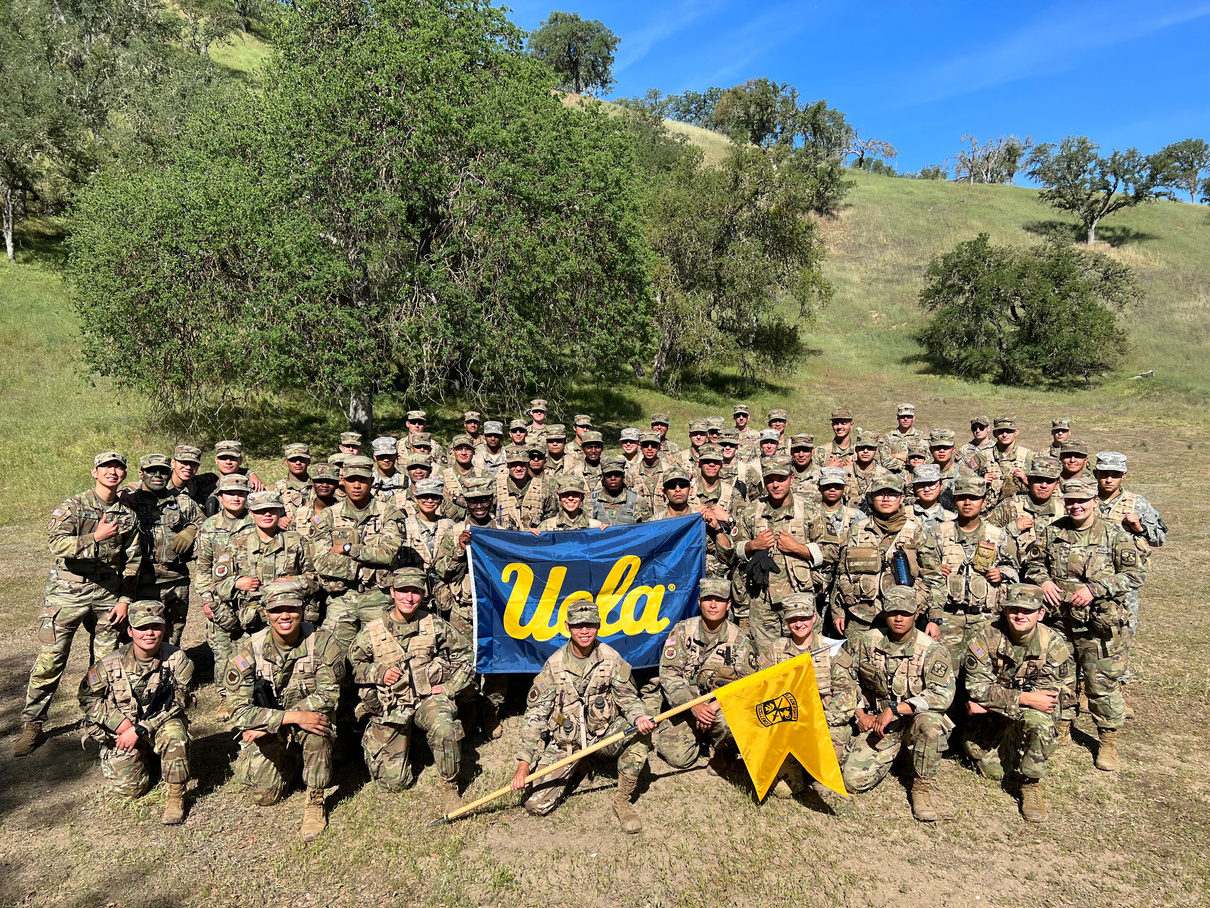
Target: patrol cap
x=798, y=605
x=1060, y=422
x=338, y=459
x=926, y=473
x=710, y=452
x=728, y=437
x=698, y=425
x=228, y=449
x=1024, y=596
x=516, y=454
x=980, y=421
x=233, y=482
x=324, y=472
x=417, y=416
x=833, y=476
x=866, y=438
x=1043, y=467
x=385, y=446
x=615, y=463
x=145, y=613
x=802, y=440
x=906, y=410
x=350, y=438
x=187, y=454
x=418, y=459
x=1071, y=446
x=462, y=440
x=148, y=461
x=941, y=438
x=1004, y=422
x=842, y=413
x=714, y=423
x=660, y=419
x=917, y=447
x=556, y=432
x=283, y=593
x=493, y=427
x=266, y=500
x=583, y=612
x=776, y=466
x=650, y=438
x=431, y=486
x=630, y=433
x=537, y=404
x=358, y=465
x=571, y=484
x=714, y=588
x=421, y=438
x=479, y=487
x=516, y=424
x=409, y=578
x=768, y=435
x=1079, y=489
x=1114, y=461
x=536, y=450
x=887, y=482
x=296, y=449
x=970, y=486
x=675, y=473
x=472, y=416
x=740, y=410
x=778, y=414
x=592, y=437
x=900, y=600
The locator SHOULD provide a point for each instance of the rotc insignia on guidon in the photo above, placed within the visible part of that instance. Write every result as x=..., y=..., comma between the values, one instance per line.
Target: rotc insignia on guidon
x=779, y=709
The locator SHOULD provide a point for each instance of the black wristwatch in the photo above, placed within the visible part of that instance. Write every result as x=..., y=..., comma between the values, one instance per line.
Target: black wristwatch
x=348, y=547
x=140, y=730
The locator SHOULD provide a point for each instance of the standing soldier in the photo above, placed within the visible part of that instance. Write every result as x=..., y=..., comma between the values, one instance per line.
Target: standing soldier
x=699, y=434
x=981, y=441
x=462, y=468
x=417, y=665
x=926, y=497
x=570, y=492
x=557, y=460
x=837, y=515
x=659, y=425
x=612, y=502
x=941, y=453
x=350, y=444
x=592, y=446
x=425, y=527
x=1010, y=456
x=417, y=420
x=897, y=682
x=325, y=479
x=537, y=428
x=839, y=451
x=777, y=420
x=806, y=472
x=1073, y=457
x=185, y=479
x=733, y=466
x=522, y=502
x=229, y=459
x=1026, y=516
x=489, y=459
x=646, y=472
x=134, y=703
x=892, y=449
x=283, y=685
x=745, y=434
x=580, y=424
x=94, y=539
x=1060, y=432
x=472, y=421
x=295, y=490
x=518, y=429
x=387, y=475
x=864, y=468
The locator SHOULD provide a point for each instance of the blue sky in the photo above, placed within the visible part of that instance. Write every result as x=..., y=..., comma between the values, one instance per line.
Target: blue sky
x=921, y=76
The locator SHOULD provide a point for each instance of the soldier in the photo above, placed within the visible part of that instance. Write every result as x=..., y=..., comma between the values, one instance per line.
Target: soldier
x=779, y=541
x=283, y=685
x=745, y=435
x=1026, y=516
x=570, y=491
x=699, y=434
x=557, y=461
x=350, y=444
x=361, y=541
x=213, y=566
x=134, y=703
x=424, y=525
x=418, y=468
x=733, y=468
x=709, y=488
x=674, y=498
x=837, y=515
x=229, y=458
x=806, y=474
x=418, y=438
x=839, y=451
x=522, y=502
x=1074, y=458
x=941, y=452
x=1060, y=432
x=1086, y=566
x=387, y=475
x=646, y=473
x=94, y=539
x=702, y=654
x=580, y=424
x=864, y=468
x=583, y=694
x=592, y=446
x=1019, y=676
x=489, y=459
x=1009, y=456
x=926, y=497
x=518, y=429
x=457, y=473
x=777, y=420
x=981, y=441
x=897, y=683
x=881, y=549
x=325, y=479
x=186, y=460
x=168, y=526
x=612, y=502
x=472, y=423
x=536, y=430
x=417, y=665
x=892, y=449
x=659, y=425
x=295, y=490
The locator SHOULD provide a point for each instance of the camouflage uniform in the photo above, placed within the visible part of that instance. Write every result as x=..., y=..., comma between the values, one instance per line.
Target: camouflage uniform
x=165, y=572
x=523, y=508
x=629, y=507
x=1115, y=510
x=286, y=554
x=214, y=556
x=295, y=494
x=1008, y=512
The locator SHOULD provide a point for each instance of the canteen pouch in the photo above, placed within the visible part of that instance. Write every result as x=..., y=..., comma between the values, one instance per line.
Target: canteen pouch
x=985, y=556
x=863, y=560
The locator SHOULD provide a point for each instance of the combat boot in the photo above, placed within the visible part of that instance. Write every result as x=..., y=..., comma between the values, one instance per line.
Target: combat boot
x=174, y=806
x=1063, y=732
x=30, y=740
x=491, y=722
x=450, y=800
x=628, y=817
x=1107, y=751
x=1033, y=805
x=789, y=782
x=315, y=818
x=922, y=800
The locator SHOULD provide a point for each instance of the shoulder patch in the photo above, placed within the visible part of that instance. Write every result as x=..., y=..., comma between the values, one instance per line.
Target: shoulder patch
x=1129, y=558
x=977, y=649
x=939, y=668
x=971, y=663
x=670, y=650
x=753, y=662
x=1064, y=668
x=94, y=680
x=241, y=663
x=233, y=677
x=538, y=688
x=57, y=512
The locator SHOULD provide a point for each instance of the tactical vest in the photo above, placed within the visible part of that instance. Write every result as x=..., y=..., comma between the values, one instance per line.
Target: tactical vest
x=417, y=538
x=709, y=667
x=864, y=573
x=623, y=516
x=576, y=717
x=726, y=494
x=967, y=589
x=796, y=572
x=1123, y=506
x=421, y=666
x=1016, y=508
x=839, y=521
x=883, y=676
x=347, y=530
x=121, y=690
x=250, y=561
x=1070, y=565
x=525, y=513
x=301, y=682
x=161, y=519
x=1024, y=675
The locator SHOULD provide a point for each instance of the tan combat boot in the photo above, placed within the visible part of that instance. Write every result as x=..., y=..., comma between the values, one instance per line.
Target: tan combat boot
x=31, y=738
x=1033, y=805
x=174, y=806
x=315, y=818
x=922, y=800
x=1063, y=732
x=628, y=817
x=491, y=722
x=450, y=800
x=789, y=782
x=1107, y=751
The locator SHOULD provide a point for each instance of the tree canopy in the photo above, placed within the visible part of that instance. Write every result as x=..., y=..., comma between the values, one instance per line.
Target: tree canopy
x=1184, y=163
x=580, y=51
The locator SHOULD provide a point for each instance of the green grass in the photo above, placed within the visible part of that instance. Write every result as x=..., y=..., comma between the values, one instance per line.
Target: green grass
x=242, y=53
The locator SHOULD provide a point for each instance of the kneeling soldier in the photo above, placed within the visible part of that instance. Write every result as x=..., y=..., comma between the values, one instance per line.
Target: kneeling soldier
x=282, y=685
x=1019, y=674
x=583, y=694
x=134, y=705
x=417, y=664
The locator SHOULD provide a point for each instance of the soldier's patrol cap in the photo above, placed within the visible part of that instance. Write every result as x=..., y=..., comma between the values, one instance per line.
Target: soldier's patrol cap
x=516, y=454
x=926, y=473
x=630, y=433
x=493, y=427
x=1079, y=489
x=233, y=482
x=887, y=482
x=583, y=613
x=660, y=419
x=802, y=440
x=228, y=448
x=900, y=600
x=1043, y=467
x=358, y=465
x=1114, y=461
x=338, y=459
x=980, y=421
x=145, y=613
x=516, y=424
x=833, y=476
x=1025, y=596
x=409, y=579
x=714, y=588
x=1071, y=446
x=582, y=420
x=592, y=437
x=866, y=439
x=906, y=410
x=650, y=438
x=556, y=431
x=536, y=449
x=537, y=404
x=917, y=447
x=615, y=463
x=798, y=605
x=728, y=437
x=187, y=454
x=768, y=435
x=296, y=450
x=479, y=487
x=568, y=484
x=417, y=416
x=431, y=486
x=324, y=472
x=1004, y=422
x=148, y=461
x=283, y=593
x=711, y=453
x=740, y=410
x=1060, y=422
x=472, y=416
x=714, y=423
x=698, y=425
x=267, y=500
x=776, y=466
x=418, y=459
x=842, y=413
x=941, y=438
x=350, y=438
x=385, y=446
x=461, y=440
x=421, y=438
x=971, y=486
x=778, y=414
x=675, y=473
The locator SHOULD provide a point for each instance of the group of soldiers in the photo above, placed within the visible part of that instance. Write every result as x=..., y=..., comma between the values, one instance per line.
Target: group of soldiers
x=985, y=594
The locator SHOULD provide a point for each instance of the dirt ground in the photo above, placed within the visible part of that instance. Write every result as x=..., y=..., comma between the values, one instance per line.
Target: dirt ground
x=1137, y=837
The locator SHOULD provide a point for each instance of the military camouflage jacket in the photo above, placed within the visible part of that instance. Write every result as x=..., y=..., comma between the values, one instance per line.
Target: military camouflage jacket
x=213, y=547
x=160, y=520
x=248, y=555
x=79, y=557
x=377, y=544
x=998, y=671
x=306, y=678
x=119, y=688
x=873, y=672
x=294, y=494
x=695, y=661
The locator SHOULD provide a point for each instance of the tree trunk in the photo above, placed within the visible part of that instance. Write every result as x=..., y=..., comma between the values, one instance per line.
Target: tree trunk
x=361, y=413
x=1092, y=231
x=7, y=203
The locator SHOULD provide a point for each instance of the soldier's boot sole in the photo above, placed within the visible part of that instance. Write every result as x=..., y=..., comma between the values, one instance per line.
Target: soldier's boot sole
x=491, y=722
x=174, y=806
x=990, y=769
x=628, y=817
x=450, y=799
x=315, y=818
x=922, y=800
x=30, y=740
x=1033, y=805
x=1107, y=751
x=1063, y=732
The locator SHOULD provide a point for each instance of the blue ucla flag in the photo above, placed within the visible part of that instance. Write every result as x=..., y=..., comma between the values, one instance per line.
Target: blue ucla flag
x=644, y=579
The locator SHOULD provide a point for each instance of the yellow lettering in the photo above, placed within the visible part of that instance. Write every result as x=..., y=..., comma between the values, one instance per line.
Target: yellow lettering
x=650, y=621
x=539, y=624
x=621, y=575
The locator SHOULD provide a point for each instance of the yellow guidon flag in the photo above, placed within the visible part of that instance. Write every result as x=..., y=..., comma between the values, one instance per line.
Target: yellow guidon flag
x=777, y=712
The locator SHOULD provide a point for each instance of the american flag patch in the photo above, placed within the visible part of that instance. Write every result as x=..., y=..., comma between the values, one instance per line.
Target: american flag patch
x=241, y=663
x=94, y=681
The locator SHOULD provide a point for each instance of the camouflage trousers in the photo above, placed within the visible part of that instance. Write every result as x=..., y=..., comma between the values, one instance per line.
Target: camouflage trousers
x=958, y=629
x=67, y=606
x=678, y=740
x=1025, y=742
x=267, y=766
x=386, y=744
x=222, y=645
x=127, y=771
x=765, y=625
x=1132, y=626
x=870, y=757
x=175, y=596
x=1102, y=661
x=346, y=615
x=545, y=794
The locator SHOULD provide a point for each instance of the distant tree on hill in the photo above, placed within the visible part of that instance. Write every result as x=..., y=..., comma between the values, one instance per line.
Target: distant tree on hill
x=1186, y=165
x=1090, y=186
x=860, y=150
x=580, y=51
x=1025, y=316
x=928, y=172
x=995, y=161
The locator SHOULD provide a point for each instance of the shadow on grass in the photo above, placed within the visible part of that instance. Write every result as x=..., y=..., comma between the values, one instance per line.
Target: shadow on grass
x=1111, y=234
x=40, y=240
